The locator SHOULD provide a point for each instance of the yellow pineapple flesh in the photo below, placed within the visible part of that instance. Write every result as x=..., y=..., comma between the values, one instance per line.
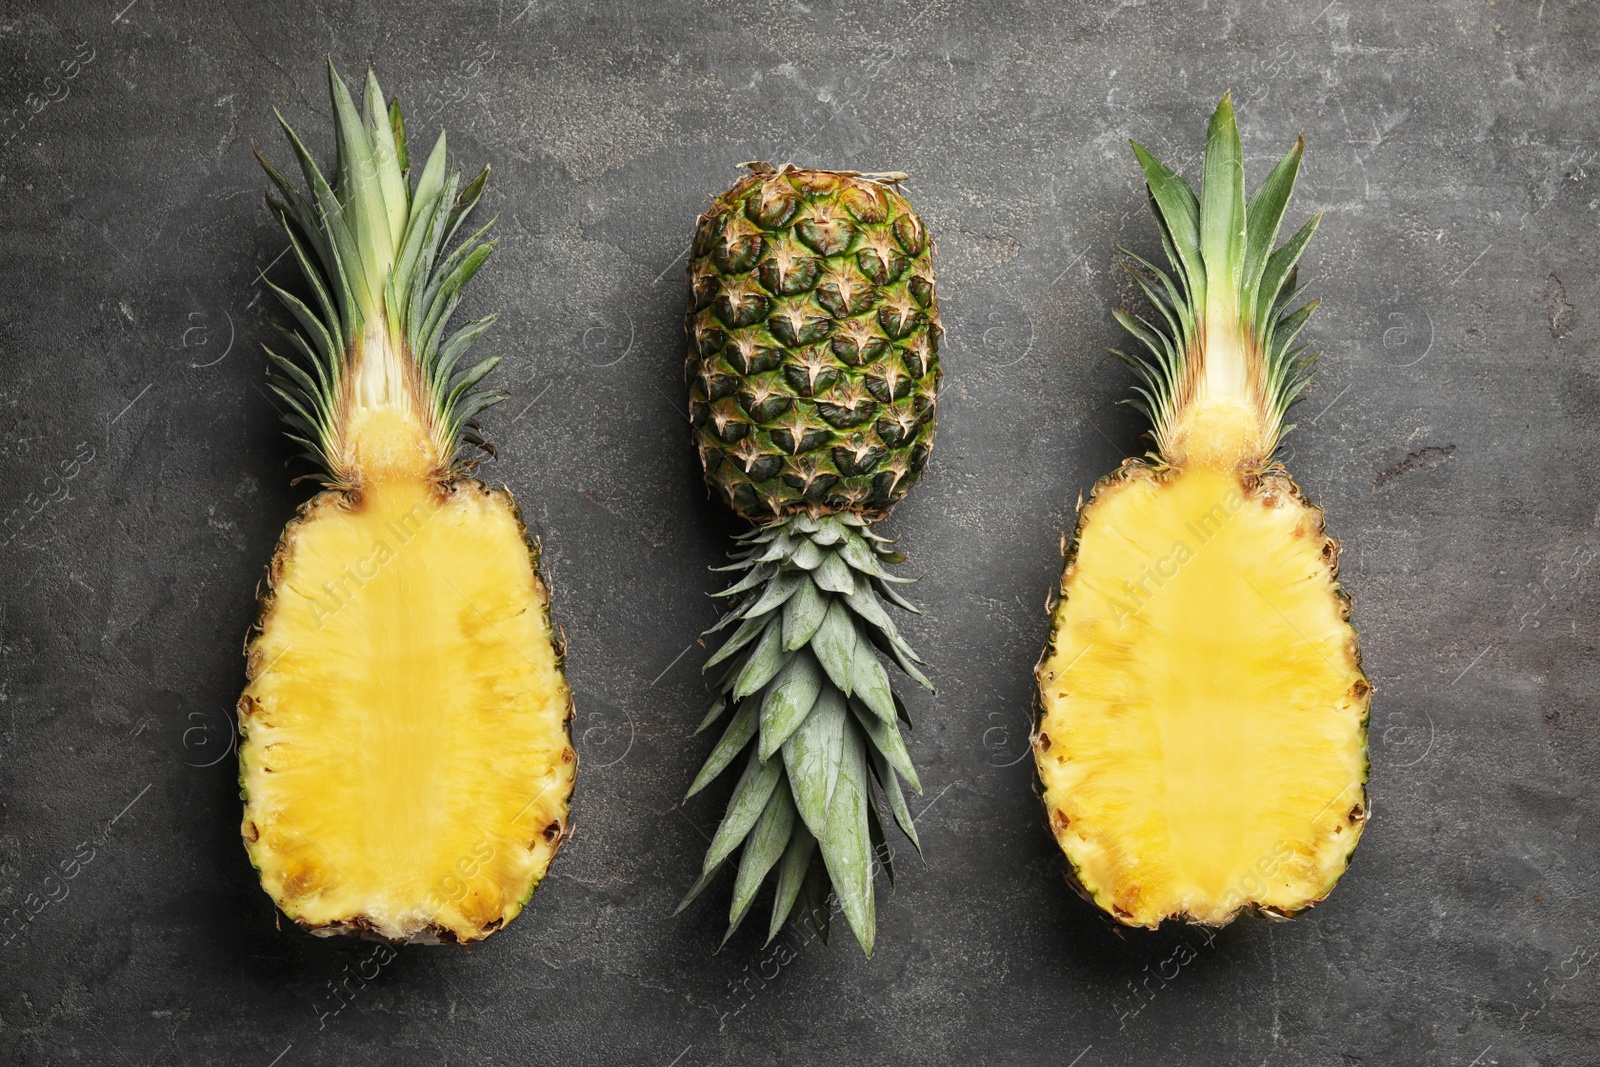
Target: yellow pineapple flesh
x=1202, y=745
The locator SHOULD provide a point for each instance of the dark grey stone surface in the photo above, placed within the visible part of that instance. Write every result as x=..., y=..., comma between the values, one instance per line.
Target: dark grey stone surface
x=1455, y=148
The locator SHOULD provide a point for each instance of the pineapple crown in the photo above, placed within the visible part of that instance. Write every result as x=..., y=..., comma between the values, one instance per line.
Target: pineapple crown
x=372, y=249
x=1220, y=370
x=816, y=720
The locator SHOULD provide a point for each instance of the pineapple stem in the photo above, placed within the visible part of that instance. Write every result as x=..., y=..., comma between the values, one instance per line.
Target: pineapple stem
x=1218, y=371
x=815, y=723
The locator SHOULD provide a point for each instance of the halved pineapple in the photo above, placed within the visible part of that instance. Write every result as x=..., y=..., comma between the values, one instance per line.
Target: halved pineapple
x=1202, y=735
x=406, y=764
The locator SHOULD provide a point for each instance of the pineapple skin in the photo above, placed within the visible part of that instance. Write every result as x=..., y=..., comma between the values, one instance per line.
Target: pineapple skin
x=1275, y=487
x=434, y=916
x=813, y=343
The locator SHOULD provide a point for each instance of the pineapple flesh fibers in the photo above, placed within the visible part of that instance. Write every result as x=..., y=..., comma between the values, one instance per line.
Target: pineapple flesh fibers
x=1202, y=736
x=406, y=763
x=814, y=367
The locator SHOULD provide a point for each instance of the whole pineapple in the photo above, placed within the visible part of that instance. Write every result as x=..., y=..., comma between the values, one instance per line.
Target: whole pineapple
x=1202, y=733
x=406, y=763
x=814, y=366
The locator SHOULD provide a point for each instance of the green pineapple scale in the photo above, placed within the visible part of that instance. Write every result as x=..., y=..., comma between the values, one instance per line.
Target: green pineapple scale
x=813, y=343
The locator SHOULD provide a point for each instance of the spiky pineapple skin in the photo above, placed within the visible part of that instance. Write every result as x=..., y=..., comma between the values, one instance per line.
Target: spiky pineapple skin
x=813, y=343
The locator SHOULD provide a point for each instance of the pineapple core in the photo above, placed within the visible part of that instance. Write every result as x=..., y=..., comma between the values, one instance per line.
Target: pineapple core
x=406, y=764
x=1202, y=742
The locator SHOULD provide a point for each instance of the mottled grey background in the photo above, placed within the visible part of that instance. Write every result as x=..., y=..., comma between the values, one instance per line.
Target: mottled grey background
x=1451, y=436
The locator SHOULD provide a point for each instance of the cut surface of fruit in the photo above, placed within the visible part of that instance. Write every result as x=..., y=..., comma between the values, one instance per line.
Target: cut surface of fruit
x=409, y=760
x=1203, y=746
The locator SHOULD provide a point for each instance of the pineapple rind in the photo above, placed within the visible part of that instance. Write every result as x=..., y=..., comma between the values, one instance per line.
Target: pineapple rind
x=813, y=343
x=1274, y=484
x=428, y=922
x=815, y=724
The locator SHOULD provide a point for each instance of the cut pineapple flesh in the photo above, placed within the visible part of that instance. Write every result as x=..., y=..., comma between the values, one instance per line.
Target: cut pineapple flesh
x=406, y=766
x=1202, y=743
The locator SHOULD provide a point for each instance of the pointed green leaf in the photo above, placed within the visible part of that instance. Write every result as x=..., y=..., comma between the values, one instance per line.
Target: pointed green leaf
x=847, y=843
x=1179, y=213
x=885, y=737
x=1280, y=266
x=1264, y=216
x=869, y=682
x=780, y=589
x=889, y=782
x=815, y=903
x=896, y=599
x=457, y=345
x=806, y=555
x=833, y=574
x=835, y=644
x=465, y=202
x=764, y=661
x=472, y=375
x=792, y=873
x=766, y=846
x=788, y=700
x=750, y=797
x=1222, y=217
x=858, y=554
x=758, y=574
x=812, y=755
x=802, y=614
x=881, y=852
x=397, y=129
x=427, y=215
x=718, y=706
x=778, y=549
x=747, y=632
x=829, y=532
x=348, y=276
x=386, y=158
x=741, y=729
x=360, y=191
x=864, y=602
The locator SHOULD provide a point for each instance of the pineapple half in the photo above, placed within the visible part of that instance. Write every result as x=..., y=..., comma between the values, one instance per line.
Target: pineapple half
x=814, y=366
x=406, y=761
x=1203, y=713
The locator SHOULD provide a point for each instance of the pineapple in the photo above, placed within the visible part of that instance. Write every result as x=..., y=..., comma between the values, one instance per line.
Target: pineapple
x=1203, y=713
x=406, y=761
x=814, y=366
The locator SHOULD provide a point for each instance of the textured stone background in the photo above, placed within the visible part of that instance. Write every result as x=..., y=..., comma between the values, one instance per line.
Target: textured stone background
x=1456, y=151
